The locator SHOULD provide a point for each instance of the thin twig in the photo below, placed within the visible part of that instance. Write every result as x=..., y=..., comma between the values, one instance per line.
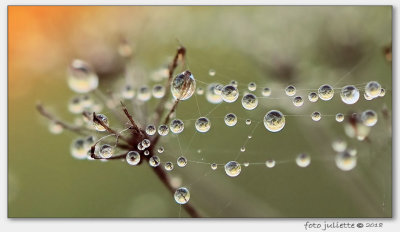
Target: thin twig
x=45, y=113
x=180, y=54
x=129, y=116
x=97, y=120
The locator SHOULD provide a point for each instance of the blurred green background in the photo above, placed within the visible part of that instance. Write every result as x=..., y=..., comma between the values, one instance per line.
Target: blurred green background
x=271, y=46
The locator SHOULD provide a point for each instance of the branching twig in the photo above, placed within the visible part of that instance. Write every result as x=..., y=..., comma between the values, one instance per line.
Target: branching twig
x=138, y=133
x=97, y=120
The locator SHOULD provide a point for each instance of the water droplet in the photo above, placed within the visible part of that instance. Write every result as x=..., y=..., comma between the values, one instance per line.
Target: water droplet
x=313, y=97
x=248, y=121
x=290, y=90
x=345, y=161
x=203, y=124
x=211, y=72
x=86, y=101
x=169, y=166
x=75, y=106
x=212, y=95
x=200, y=91
x=146, y=152
x=349, y=94
x=249, y=101
x=339, y=117
x=90, y=141
x=325, y=92
x=128, y=92
x=218, y=89
x=176, y=126
x=106, y=151
x=81, y=77
x=367, y=97
x=163, y=130
x=373, y=89
x=146, y=143
x=154, y=161
x=230, y=119
x=274, y=121
x=303, y=160
x=79, y=149
x=249, y=136
x=182, y=196
x=214, y=166
x=232, y=168
x=266, y=92
x=144, y=93
x=339, y=145
x=383, y=92
x=229, y=93
x=246, y=164
x=140, y=146
x=181, y=161
x=242, y=149
x=160, y=150
x=97, y=125
x=369, y=118
x=133, y=158
x=183, y=85
x=352, y=151
x=158, y=91
x=150, y=129
x=252, y=86
x=55, y=128
x=316, y=116
x=298, y=101
x=270, y=163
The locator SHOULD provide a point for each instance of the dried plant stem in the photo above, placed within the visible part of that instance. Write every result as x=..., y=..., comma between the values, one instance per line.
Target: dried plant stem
x=180, y=54
x=45, y=113
x=138, y=134
x=165, y=180
x=97, y=120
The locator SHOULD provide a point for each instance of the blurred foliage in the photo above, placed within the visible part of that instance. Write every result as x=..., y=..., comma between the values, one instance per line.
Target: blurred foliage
x=272, y=46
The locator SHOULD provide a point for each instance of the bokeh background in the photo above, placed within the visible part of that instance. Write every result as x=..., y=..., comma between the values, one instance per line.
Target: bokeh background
x=272, y=46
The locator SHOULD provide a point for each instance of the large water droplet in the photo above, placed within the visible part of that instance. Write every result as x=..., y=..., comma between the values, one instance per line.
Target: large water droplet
x=229, y=93
x=325, y=92
x=249, y=101
x=203, y=124
x=274, y=121
x=182, y=195
x=81, y=77
x=349, y=94
x=232, y=168
x=183, y=85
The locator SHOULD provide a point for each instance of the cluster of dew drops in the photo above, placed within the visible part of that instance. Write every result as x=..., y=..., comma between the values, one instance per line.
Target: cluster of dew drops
x=82, y=79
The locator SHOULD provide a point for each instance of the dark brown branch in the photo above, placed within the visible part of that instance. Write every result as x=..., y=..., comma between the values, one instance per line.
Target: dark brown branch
x=46, y=114
x=180, y=54
x=164, y=178
x=129, y=116
x=111, y=131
